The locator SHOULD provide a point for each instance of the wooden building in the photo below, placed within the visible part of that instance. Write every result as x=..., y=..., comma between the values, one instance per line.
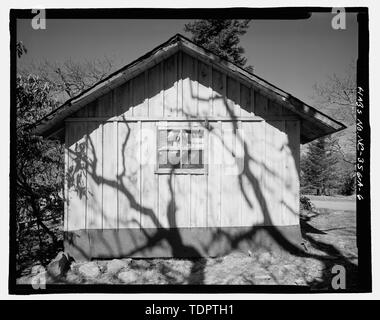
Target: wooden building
x=181, y=153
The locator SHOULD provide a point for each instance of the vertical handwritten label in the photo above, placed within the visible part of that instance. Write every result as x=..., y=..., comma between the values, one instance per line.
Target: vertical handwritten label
x=360, y=147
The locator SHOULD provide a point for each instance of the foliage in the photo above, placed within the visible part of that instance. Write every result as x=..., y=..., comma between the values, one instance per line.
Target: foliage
x=222, y=37
x=349, y=184
x=39, y=174
x=20, y=49
x=306, y=204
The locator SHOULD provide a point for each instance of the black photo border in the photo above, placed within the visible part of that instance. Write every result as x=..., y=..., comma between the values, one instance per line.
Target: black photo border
x=286, y=13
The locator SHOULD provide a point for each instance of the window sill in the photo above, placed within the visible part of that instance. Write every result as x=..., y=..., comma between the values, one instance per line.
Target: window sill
x=182, y=171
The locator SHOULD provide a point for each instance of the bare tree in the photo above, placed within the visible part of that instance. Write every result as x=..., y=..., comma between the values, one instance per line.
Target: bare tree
x=337, y=97
x=69, y=78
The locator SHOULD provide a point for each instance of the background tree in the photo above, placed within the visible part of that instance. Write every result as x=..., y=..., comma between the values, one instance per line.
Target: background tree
x=39, y=176
x=222, y=37
x=337, y=98
x=20, y=49
x=317, y=167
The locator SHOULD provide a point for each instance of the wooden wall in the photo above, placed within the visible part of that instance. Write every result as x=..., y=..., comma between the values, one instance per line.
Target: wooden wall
x=253, y=150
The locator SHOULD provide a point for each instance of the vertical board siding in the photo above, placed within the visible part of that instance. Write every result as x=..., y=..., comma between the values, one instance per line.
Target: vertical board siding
x=155, y=91
x=165, y=205
x=104, y=106
x=275, y=139
x=182, y=200
x=204, y=89
x=139, y=104
x=268, y=170
x=253, y=166
x=109, y=176
x=123, y=100
x=219, y=101
x=128, y=173
x=214, y=175
x=259, y=168
x=261, y=104
x=94, y=175
x=86, y=111
x=245, y=101
x=230, y=184
x=291, y=176
x=170, y=86
x=198, y=201
x=82, y=113
x=149, y=199
x=190, y=86
x=77, y=175
x=251, y=196
x=179, y=85
x=253, y=101
x=233, y=98
x=274, y=109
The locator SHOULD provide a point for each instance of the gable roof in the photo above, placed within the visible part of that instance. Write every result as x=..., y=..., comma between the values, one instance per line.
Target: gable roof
x=314, y=123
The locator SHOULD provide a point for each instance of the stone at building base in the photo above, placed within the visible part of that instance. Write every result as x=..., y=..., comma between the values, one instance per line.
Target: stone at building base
x=60, y=265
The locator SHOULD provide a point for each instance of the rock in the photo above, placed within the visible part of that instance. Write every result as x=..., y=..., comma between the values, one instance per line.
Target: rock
x=37, y=269
x=115, y=265
x=72, y=277
x=299, y=282
x=24, y=280
x=59, y=266
x=40, y=280
x=89, y=270
x=127, y=261
x=263, y=277
x=265, y=257
x=127, y=276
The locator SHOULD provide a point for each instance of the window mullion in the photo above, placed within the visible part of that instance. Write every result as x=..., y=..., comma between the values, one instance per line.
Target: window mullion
x=181, y=146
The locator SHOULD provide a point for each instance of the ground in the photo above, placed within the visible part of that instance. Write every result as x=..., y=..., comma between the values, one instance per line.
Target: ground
x=330, y=239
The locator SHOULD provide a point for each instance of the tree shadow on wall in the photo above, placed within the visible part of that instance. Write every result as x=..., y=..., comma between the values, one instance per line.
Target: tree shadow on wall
x=171, y=236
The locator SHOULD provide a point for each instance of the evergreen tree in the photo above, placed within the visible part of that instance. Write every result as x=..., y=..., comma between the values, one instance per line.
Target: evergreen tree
x=317, y=167
x=222, y=37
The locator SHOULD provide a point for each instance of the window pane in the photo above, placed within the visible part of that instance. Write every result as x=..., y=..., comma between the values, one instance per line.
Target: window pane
x=197, y=139
x=176, y=142
x=186, y=138
x=174, y=138
x=162, y=159
x=192, y=159
x=169, y=159
x=162, y=139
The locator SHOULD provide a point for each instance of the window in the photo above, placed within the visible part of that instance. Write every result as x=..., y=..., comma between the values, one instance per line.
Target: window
x=181, y=150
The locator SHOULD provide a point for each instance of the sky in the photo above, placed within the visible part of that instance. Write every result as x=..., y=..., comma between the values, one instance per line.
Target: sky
x=291, y=54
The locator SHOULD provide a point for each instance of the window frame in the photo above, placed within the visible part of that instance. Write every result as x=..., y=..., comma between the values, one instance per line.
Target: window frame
x=183, y=126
